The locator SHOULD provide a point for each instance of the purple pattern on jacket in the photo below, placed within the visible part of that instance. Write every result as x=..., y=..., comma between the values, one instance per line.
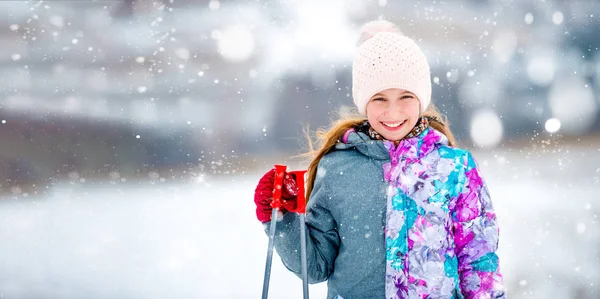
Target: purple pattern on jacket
x=441, y=231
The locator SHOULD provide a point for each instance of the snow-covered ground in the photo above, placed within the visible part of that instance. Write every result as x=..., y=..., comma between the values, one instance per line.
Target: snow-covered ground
x=200, y=239
x=178, y=240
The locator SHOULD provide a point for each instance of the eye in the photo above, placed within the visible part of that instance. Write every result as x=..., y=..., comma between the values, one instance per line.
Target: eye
x=378, y=99
x=407, y=96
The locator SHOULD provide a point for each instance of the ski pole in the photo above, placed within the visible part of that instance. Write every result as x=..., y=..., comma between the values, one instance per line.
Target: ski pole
x=301, y=210
x=276, y=204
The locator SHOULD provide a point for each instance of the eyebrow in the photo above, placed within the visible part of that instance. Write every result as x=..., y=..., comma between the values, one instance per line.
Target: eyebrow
x=402, y=94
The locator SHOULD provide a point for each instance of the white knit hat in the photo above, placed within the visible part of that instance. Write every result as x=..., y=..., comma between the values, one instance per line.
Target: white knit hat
x=386, y=59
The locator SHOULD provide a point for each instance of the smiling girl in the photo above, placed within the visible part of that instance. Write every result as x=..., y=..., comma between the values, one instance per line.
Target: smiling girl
x=395, y=209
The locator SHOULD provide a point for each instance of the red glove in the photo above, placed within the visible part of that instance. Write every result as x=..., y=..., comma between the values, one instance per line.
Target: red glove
x=263, y=195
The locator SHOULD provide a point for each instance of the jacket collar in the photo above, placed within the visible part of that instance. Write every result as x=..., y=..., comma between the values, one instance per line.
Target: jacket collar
x=412, y=148
x=410, y=151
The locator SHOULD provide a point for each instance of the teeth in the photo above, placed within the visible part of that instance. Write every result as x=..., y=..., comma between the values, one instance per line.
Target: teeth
x=393, y=125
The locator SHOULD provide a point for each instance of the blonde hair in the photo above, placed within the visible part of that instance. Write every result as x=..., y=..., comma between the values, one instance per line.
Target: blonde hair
x=350, y=118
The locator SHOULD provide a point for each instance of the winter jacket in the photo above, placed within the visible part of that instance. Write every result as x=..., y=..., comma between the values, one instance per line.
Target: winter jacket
x=408, y=221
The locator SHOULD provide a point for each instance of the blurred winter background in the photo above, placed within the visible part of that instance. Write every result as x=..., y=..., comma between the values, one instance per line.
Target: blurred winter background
x=133, y=133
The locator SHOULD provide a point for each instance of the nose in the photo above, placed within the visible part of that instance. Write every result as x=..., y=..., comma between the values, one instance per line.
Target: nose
x=393, y=109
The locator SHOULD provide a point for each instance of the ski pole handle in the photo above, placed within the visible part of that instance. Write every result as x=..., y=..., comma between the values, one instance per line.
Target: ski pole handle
x=279, y=173
x=301, y=198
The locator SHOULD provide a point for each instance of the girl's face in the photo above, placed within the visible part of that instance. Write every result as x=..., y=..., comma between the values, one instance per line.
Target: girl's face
x=393, y=113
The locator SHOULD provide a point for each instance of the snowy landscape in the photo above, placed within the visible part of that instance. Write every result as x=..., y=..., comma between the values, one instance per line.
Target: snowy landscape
x=200, y=239
x=134, y=133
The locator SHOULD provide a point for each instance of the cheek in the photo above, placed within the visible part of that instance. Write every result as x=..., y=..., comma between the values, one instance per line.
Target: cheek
x=372, y=119
x=413, y=108
x=373, y=111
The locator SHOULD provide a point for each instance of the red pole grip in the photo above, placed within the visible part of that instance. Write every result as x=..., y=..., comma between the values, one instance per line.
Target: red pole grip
x=301, y=198
x=279, y=173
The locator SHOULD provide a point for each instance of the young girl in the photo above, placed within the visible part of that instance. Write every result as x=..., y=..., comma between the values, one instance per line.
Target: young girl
x=394, y=210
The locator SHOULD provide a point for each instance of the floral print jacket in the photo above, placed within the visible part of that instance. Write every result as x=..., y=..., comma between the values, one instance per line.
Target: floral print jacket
x=441, y=232
x=413, y=220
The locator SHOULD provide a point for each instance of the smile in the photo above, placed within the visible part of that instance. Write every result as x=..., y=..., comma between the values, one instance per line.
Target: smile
x=393, y=125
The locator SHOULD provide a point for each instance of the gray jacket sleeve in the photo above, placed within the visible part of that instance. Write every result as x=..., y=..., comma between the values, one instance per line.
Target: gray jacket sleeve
x=322, y=242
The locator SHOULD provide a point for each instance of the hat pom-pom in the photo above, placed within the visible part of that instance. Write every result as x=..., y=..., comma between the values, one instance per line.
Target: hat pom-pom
x=370, y=29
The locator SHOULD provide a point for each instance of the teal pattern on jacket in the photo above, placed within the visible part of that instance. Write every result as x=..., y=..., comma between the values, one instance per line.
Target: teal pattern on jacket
x=408, y=221
x=441, y=231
